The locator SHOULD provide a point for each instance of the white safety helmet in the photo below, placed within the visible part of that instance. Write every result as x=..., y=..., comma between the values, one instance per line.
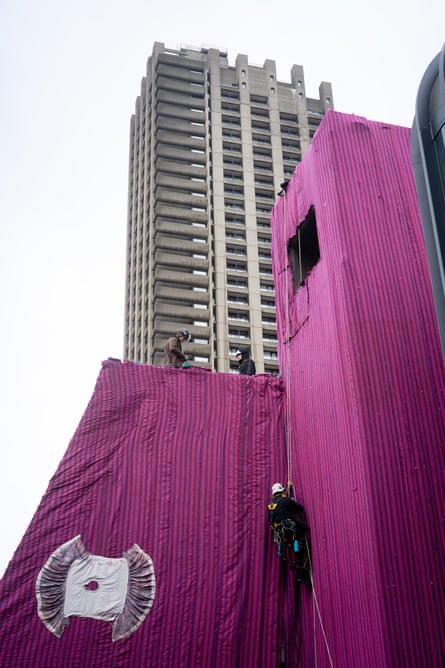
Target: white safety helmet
x=277, y=488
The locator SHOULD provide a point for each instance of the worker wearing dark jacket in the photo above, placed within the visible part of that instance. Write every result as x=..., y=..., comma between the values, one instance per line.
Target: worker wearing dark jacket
x=289, y=531
x=246, y=365
x=281, y=507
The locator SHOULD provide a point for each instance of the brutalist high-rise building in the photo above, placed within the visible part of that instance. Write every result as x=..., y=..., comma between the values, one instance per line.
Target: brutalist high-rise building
x=211, y=145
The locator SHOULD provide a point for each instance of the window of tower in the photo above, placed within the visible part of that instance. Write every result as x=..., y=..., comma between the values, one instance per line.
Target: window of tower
x=227, y=106
x=258, y=111
x=238, y=315
x=236, y=282
x=262, y=152
x=260, y=125
x=258, y=99
x=265, y=269
x=233, y=265
x=238, y=333
x=235, y=250
x=232, y=219
x=303, y=249
x=236, y=298
x=235, y=235
x=230, y=93
x=260, y=139
x=230, y=160
x=231, y=120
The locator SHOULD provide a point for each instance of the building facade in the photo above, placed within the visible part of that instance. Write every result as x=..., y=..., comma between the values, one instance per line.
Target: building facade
x=210, y=146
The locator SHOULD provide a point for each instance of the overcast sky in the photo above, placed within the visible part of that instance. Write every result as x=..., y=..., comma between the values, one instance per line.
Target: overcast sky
x=70, y=74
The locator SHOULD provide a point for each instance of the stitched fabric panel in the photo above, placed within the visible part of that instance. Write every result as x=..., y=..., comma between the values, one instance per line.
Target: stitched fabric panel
x=179, y=462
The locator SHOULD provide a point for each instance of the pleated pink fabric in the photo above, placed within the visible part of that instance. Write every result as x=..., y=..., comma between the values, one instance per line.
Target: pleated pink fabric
x=360, y=352
x=179, y=462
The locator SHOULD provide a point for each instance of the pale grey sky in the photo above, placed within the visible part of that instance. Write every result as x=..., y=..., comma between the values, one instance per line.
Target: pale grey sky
x=70, y=73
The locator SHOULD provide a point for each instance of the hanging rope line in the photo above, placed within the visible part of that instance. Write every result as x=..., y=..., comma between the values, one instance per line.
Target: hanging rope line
x=316, y=608
x=287, y=356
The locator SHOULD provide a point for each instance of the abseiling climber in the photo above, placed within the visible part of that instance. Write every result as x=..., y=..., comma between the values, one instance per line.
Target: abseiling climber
x=289, y=530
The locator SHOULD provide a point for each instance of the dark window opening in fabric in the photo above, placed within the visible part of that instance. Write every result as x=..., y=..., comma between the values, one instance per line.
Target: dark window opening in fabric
x=303, y=249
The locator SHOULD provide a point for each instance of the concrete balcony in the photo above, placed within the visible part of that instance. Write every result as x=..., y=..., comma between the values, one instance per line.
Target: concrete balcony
x=188, y=296
x=172, y=71
x=182, y=229
x=180, y=88
x=176, y=101
x=182, y=181
x=184, y=113
x=162, y=328
x=176, y=311
x=180, y=140
x=180, y=213
x=175, y=280
x=181, y=198
x=175, y=167
x=180, y=261
x=181, y=154
x=171, y=243
x=184, y=126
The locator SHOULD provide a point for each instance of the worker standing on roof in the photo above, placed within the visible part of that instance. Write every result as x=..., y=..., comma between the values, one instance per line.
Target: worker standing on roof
x=246, y=365
x=173, y=354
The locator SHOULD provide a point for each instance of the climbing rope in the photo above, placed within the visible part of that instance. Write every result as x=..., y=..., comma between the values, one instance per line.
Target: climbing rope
x=288, y=423
x=316, y=609
x=287, y=344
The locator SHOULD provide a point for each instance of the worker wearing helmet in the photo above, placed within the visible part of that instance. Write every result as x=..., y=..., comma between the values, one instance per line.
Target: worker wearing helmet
x=288, y=530
x=281, y=507
x=246, y=364
x=173, y=354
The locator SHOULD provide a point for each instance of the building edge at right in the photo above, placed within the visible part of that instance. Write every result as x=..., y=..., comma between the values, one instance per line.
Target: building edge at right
x=360, y=353
x=428, y=157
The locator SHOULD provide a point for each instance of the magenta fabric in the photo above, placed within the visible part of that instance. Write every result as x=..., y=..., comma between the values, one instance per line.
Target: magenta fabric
x=360, y=353
x=179, y=462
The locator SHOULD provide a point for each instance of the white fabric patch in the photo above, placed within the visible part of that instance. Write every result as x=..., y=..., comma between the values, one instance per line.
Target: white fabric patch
x=96, y=587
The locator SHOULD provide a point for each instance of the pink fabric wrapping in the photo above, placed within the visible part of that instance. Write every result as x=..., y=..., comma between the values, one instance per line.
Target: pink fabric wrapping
x=366, y=389
x=179, y=462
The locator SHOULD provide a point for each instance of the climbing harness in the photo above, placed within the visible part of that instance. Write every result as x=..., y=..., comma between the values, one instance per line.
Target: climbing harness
x=292, y=548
